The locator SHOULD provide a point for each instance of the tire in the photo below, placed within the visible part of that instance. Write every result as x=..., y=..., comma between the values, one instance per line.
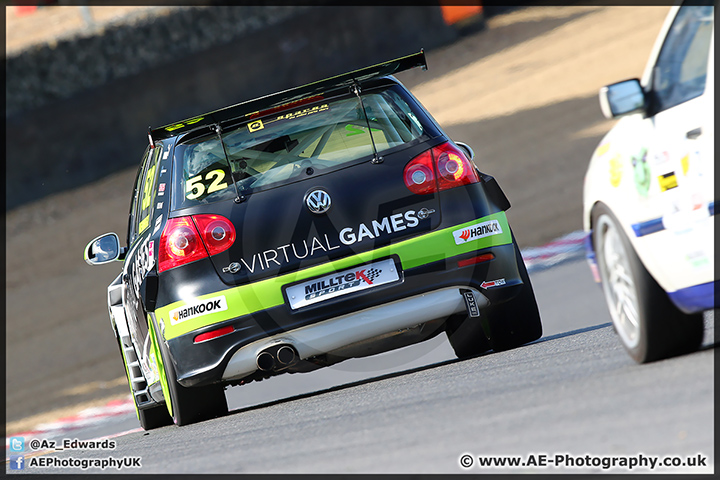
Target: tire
x=150, y=418
x=649, y=325
x=517, y=321
x=466, y=336
x=194, y=404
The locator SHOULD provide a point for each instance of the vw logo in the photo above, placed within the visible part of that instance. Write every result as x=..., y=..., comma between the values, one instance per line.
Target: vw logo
x=318, y=201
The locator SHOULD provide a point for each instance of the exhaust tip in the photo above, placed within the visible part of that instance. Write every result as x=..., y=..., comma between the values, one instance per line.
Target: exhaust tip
x=265, y=361
x=286, y=355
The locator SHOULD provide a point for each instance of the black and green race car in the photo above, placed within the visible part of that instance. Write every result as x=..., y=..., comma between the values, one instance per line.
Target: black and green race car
x=296, y=230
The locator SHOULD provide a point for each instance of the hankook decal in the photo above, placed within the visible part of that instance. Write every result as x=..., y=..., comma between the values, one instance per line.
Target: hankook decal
x=198, y=308
x=474, y=232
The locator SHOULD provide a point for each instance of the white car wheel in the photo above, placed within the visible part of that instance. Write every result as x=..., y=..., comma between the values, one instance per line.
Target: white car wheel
x=647, y=322
x=618, y=283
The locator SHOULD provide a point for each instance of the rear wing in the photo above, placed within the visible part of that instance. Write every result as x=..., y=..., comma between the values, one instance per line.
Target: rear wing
x=288, y=97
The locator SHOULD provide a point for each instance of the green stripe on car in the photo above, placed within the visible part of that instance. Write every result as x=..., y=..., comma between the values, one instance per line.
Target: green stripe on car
x=414, y=252
x=155, y=347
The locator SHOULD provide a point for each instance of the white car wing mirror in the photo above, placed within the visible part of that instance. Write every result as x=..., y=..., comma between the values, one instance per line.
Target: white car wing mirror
x=622, y=98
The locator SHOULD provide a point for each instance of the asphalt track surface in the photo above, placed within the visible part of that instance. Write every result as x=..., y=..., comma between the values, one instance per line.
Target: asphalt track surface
x=574, y=392
x=416, y=410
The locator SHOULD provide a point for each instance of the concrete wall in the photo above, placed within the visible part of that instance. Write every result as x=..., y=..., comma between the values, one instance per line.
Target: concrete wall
x=80, y=111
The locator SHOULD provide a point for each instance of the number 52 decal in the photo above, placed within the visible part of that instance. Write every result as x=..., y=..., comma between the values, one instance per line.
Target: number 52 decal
x=196, y=188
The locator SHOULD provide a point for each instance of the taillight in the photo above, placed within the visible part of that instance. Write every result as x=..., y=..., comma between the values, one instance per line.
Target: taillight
x=216, y=231
x=179, y=244
x=439, y=168
x=188, y=239
x=420, y=175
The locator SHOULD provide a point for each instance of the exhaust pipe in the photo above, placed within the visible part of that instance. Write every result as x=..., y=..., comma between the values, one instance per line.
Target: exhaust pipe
x=285, y=355
x=276, y=358
x=265, y=361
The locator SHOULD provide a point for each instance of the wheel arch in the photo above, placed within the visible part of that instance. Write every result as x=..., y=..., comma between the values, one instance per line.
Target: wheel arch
x=629, y=233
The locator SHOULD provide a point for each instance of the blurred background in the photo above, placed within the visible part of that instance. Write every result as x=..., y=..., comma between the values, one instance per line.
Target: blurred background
x=83, y=83
x=83, y=78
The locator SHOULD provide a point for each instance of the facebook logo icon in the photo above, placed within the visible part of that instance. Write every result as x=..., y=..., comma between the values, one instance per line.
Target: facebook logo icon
x=17, y=462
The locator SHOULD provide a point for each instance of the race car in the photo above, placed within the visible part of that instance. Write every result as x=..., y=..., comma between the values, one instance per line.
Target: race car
x=290, y=232
x=649, y=193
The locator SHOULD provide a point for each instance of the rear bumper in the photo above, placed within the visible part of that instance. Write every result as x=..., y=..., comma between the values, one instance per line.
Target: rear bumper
x=427, y=292
x=338, y=332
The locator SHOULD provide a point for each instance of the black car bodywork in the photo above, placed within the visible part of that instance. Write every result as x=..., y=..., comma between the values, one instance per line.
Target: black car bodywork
x=293, y=231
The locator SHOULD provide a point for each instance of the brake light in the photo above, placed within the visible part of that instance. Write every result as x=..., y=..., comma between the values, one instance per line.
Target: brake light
x=439, y=168
x=179, y=244
x=216, y=231
x=188, y=239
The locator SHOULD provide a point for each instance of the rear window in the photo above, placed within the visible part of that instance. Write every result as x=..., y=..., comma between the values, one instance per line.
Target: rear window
x=291, y=145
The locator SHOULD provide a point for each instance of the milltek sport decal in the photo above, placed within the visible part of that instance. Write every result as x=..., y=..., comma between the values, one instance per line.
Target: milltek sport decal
x=198, y=308
x=473, y=232
x=341, y=283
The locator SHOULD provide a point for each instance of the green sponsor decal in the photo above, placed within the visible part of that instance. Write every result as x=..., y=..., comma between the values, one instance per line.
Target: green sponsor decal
x=642, y=172
x=414, y=252
x=155, y=347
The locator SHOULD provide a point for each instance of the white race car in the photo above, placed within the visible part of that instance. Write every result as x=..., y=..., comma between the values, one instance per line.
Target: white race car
x=648, y=202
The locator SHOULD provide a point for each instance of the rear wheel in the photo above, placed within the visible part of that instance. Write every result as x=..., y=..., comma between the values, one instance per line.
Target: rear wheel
x=517, y=321
x=191, y=404
x=466, y=336
x=150, y=418
x=647, y=322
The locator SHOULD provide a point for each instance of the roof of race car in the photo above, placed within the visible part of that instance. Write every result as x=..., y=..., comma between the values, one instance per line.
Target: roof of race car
x=287, y=98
